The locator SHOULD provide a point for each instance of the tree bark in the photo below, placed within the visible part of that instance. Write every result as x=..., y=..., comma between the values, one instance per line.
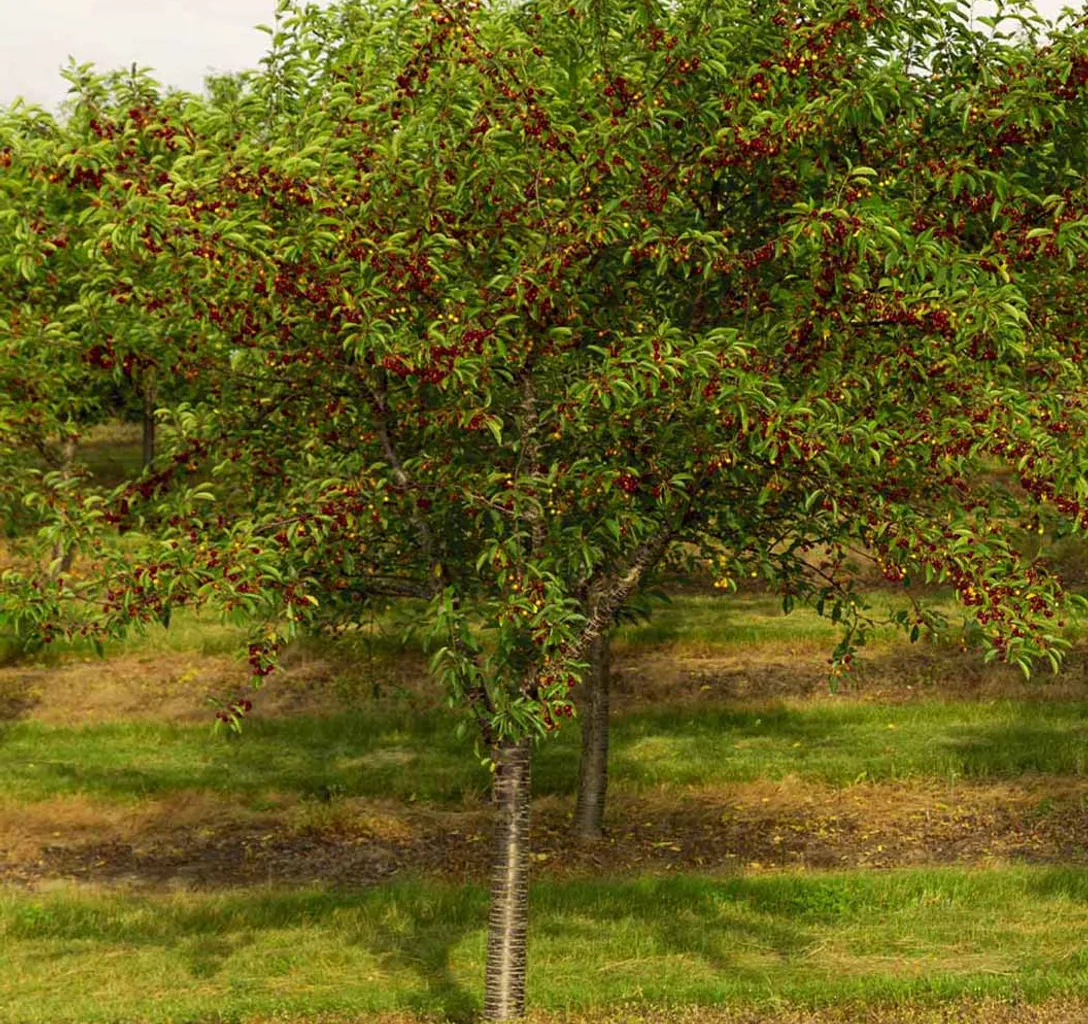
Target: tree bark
x=593, y=768
x=149, y=420
x=507, y=923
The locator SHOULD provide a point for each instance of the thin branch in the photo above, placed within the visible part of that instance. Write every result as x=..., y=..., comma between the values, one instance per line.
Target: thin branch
x=530, y=453
x=394, y=586
x=378, y=400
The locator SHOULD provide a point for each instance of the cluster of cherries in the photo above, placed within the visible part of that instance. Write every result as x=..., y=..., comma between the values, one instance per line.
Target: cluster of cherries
x=234, y=710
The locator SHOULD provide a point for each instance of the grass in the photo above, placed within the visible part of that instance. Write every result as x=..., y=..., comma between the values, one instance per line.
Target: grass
x=714, y=623
x=696, y=623
x=841, y=744
x=722, y=622
x=418, y=756
x=688, y=626
x=416, y=945
x=110, y=462
x=190, y=632
x=691, y=625
x=800, y=939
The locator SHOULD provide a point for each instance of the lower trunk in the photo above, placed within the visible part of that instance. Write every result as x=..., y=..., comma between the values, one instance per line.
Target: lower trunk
x=149, y=421
x=65, y=555
x=504, y=985
x=593, y=769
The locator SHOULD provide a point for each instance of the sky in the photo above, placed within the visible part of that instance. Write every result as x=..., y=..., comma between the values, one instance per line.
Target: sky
x=182, y=40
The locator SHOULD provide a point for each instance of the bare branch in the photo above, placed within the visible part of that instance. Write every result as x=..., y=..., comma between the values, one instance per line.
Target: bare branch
x=396, y=586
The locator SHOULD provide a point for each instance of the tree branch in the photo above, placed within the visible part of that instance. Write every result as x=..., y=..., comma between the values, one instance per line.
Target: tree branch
x=610, y=592
x=379, y=404
x=530, y=453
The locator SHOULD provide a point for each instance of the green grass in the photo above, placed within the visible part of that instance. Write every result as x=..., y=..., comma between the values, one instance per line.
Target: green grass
x=724, y=622
x=802, y=939
x=841, y=744
x=727, y=621
x=706, y=625
x=109, y=463
x=403, y=755
x=189, y=633
x=872, y=937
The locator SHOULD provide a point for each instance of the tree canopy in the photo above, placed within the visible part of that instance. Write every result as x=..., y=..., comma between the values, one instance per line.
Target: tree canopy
x=497, y=307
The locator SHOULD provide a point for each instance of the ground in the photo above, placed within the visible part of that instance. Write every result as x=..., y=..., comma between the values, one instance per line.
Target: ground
x=910, y=847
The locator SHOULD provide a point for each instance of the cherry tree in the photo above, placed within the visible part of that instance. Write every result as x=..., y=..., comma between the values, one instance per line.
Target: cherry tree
x=499, y=308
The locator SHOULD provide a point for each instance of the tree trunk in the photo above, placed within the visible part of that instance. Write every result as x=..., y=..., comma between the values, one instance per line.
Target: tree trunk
x=593, y=769
x=504, y=985
x=149, y=419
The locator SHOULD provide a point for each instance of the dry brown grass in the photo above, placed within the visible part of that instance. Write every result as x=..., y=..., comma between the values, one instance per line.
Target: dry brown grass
x=7, y=555
x=175, y=686
x=165, y=686
x=797, y=670
x=78, y=820
x=153, y=686
x=169, y=676
x=755, y=827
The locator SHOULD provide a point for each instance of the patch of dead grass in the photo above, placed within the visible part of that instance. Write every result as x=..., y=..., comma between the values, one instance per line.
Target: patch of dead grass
x=145, y=686
x=318, y=678
x=175, y=687
x=754, y=827
x=887, y=674
x=75, y=820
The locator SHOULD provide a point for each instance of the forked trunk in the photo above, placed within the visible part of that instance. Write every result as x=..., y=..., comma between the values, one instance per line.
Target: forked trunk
x=149, y=420
x=504, y=984
x=593, y=769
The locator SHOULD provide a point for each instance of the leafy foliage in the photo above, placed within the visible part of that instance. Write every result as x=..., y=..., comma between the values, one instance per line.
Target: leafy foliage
x=503, y=307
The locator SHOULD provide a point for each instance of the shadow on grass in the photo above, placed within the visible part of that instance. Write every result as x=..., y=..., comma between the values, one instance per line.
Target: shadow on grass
x=409, y=931
x=840, y=744
x=420, y=946
x=1038, y=743
x=422, y=942
x=1062, y=884
x=419, y=757
x=349, y=754
x=689, y=916
x=427, y=939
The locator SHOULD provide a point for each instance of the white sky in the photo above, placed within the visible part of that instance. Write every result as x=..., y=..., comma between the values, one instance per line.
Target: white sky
x=182, y=40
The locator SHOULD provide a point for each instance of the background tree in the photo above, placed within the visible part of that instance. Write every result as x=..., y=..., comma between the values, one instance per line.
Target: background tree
x=499, y=307
x=70, y=365
x=49, y=393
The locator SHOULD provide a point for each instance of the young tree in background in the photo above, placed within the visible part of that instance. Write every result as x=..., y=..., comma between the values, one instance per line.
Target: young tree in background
x=68, y=364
